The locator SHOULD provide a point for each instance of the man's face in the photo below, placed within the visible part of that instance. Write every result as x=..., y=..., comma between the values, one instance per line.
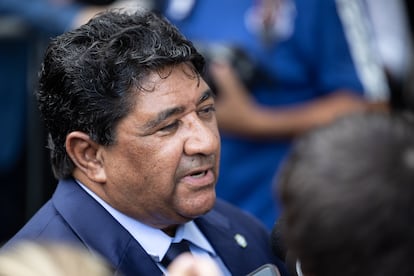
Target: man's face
x=164, y=165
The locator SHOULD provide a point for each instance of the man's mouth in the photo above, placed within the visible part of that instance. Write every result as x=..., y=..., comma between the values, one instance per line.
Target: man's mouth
x=199, y=174
x=202, y=177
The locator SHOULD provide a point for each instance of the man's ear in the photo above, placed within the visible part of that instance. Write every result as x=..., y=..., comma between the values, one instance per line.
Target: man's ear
x=84, y=153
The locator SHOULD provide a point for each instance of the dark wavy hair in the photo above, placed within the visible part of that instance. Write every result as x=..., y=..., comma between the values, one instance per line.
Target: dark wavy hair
x=88, y=74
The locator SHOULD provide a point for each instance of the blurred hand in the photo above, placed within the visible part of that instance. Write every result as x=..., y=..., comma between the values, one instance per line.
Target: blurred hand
x=189, y=265
x=333, y=106
x=235, y=106
x=238, y=113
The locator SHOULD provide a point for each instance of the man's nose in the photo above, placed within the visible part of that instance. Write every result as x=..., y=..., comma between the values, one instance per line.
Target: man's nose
x=202, y=136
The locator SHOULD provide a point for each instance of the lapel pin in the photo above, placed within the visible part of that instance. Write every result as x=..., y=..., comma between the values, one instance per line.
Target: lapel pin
x=241, y=241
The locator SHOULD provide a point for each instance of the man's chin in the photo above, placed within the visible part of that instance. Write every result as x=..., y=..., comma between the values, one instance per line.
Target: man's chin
x=200, y=207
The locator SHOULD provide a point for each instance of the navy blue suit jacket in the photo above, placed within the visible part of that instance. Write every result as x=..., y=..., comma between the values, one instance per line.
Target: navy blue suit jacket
x=72, y=215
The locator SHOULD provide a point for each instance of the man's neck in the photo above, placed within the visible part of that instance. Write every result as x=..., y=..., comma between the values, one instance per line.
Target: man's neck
x=170, y=230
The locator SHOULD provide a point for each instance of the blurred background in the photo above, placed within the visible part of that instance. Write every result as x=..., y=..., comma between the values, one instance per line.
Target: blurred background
x=294, y=64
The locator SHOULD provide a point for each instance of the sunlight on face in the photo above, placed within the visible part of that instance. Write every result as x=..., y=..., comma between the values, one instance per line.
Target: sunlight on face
x=163, y=168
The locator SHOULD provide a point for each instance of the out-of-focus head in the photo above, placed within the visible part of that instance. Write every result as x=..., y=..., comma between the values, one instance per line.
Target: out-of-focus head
x=51, y=259
x=347, y=193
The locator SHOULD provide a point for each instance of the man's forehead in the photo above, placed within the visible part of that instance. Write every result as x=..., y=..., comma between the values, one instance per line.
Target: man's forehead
x=161, y=75
x=173, y=85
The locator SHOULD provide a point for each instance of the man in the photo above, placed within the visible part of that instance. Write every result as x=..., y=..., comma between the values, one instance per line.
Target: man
x=347, y=192
x=135, y=144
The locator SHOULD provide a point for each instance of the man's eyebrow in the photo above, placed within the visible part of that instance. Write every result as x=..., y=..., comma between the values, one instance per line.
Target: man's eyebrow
x=162, y=116
x=206, y=95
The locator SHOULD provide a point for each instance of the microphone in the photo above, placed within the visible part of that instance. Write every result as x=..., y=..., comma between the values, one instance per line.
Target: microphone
x=276, y=240
x=265, y=270
x=279, y=248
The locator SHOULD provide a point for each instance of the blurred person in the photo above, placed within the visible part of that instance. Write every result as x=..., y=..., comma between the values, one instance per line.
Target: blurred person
x=392, y=29
x=25, y=28
x=60, y=259
x=347, y=196
x=380, y=37
x=135, y=145
x=51, y=259
x=279, y=68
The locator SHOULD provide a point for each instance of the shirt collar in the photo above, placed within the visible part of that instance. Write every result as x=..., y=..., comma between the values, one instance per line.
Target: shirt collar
x=154, y=241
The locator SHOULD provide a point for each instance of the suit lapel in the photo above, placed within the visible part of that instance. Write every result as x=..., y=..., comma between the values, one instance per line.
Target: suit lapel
x=221, y=235
x=100, y=232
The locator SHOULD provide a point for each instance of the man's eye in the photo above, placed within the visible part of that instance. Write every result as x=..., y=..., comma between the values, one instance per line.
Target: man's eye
x=170, y=127
x=207, y=111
